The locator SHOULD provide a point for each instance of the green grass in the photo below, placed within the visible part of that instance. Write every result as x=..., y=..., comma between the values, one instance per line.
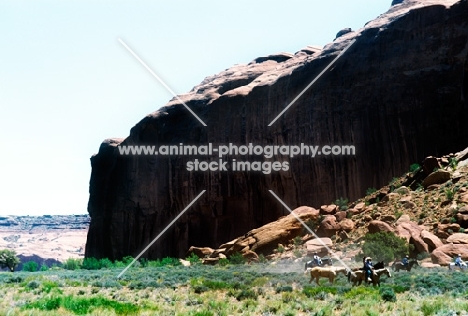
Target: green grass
x=82, y=305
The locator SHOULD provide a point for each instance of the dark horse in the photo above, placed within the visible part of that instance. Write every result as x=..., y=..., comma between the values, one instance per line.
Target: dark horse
x=397, y=266
x=325, y=262
x=377, y=266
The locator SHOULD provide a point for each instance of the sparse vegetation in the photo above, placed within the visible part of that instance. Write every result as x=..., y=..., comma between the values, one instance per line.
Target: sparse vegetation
x=414, y=168
x=225, y=290
x=342, y=203
x=453, y=163
x=449, y=194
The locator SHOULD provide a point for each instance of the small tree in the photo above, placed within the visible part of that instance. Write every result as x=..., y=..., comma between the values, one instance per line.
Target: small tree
x=8, y=259
x=384, y=246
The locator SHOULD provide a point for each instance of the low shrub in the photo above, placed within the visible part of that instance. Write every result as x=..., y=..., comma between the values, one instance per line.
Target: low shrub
x=72, y=264
x=243, y=294
x=284, y=288
x=387, y=294
x=310, y=291
x=30, y=266
x=236, y=258
x=91, y=264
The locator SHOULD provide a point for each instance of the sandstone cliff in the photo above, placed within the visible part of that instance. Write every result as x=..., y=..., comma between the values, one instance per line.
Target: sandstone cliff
x=398, y=95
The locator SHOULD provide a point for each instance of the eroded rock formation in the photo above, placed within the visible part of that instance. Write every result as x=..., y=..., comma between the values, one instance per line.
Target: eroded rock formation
x=397, y=95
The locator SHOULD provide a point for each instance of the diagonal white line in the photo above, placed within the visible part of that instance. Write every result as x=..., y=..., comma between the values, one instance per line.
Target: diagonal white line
x=313, y=81
x=160, y=234
x=159, y=79
x=311, y=231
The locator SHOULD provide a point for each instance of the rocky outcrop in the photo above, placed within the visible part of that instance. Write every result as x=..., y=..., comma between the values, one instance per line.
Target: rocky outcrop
x=402, y=88
x=262, y=240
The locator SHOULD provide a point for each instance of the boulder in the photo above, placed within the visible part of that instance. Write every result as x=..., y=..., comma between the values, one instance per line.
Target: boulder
x=341, y=215
x=328, y=209
x=360, y=206
x=347, y=225
x=445, y=254
x=431, y=240
x=319, y=245
x=201, y=252
x=458, y=238
x=437, y=177
x=430, y=164
x=449, y=228
x=328, y=227
x=462, y=220
x=264, y=239
x=377, y=226
x=415, y=232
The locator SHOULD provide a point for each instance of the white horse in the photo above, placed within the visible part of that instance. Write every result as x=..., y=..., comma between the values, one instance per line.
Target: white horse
x=462, y=266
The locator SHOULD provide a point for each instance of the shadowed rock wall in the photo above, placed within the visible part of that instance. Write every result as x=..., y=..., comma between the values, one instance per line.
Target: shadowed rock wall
x=398, y=95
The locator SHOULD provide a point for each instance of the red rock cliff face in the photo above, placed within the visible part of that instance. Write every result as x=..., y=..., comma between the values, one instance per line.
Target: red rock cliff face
x=398, y=94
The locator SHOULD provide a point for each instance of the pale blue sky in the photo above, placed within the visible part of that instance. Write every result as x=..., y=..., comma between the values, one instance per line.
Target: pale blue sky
x=66, y=83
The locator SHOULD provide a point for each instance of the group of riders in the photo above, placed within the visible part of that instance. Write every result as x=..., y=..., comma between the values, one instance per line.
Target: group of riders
x=369, y=267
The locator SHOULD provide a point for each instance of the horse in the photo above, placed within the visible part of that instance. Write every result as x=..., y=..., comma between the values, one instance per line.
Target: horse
x=378, y=273
x=360, y=275
x=378, y=265
x=329, y=272
x=397, y=266
x=462, y=266
x=312, y=263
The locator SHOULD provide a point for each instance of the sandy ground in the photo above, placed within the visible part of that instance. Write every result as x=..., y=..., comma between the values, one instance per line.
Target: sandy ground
x=59, y=245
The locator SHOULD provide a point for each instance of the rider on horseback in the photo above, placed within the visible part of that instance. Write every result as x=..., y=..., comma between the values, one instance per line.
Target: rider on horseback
x=458, y=261
x=405, y=261
x=317, y=259
x=369, y=269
